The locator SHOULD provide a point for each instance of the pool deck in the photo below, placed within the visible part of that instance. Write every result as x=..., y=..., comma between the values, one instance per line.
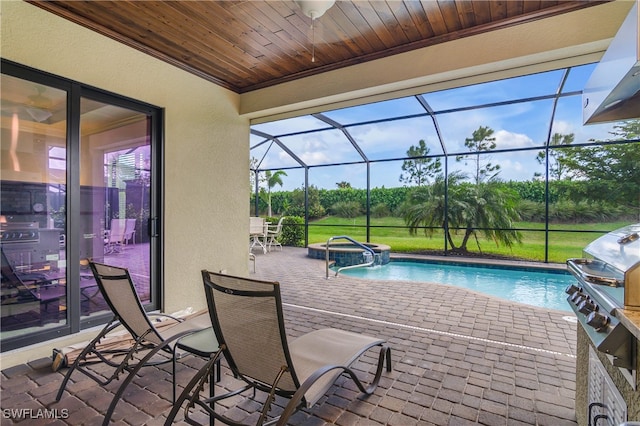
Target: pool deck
x=459, y=358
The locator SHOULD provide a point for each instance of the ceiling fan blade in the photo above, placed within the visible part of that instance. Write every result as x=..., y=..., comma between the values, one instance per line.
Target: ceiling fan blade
x=25, y=112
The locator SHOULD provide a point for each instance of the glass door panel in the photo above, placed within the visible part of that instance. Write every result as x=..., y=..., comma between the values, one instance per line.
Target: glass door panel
x=32, y=207
x=115, y=182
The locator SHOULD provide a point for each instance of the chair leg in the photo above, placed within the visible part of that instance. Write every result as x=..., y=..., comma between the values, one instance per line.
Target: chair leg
x=197, y=381
x=267, y=404
x=73, y=367
x=173, y=375
x=212, y=389
x=134, y=372
x=215, y=374
x=89, y=348
x=274, y=242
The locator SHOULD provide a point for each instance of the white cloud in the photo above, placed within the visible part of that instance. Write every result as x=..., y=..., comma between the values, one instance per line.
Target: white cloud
x=507, y=140
x=285, y=160
x=317, y=157
x=563, y=127
x=393, y=139
x=517, y=168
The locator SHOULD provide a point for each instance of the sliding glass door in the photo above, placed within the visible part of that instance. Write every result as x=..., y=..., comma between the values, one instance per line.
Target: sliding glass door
x=115, y=196
x=32, y=207
x=78, y=183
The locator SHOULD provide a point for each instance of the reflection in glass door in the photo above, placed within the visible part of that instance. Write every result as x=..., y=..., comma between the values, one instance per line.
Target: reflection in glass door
x=32, y=207
x=115, y=182
x=75, y=184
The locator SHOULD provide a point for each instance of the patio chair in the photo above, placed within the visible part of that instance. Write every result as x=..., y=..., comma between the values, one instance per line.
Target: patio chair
x=115, y=236
x=249, y=324
x=30, y=298
x=129, y=231
x=273, y=232
x=118, y=291
x=258, y=233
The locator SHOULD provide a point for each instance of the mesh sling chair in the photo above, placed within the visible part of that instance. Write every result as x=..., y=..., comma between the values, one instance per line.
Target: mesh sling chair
x=27, y=296
x=119, y=292
x=248, y=321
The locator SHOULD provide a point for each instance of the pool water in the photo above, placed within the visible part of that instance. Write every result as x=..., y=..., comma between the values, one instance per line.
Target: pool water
x=543, y=288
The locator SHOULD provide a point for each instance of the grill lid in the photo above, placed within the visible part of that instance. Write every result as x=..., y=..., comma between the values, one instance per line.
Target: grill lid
x=620, y=248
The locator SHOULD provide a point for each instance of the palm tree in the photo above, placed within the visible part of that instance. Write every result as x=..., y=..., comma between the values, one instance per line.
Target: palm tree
x=491, y=211
x=272, y=180
x=485, y=207
x=426, y=206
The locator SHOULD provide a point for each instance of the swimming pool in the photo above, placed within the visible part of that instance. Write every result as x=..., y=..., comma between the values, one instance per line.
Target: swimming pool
x=533, y=286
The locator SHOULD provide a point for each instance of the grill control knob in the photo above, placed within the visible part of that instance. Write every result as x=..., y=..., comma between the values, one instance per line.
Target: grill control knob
x=577, y=297
x=597, y=320
x=587, y=306
x=571, y=289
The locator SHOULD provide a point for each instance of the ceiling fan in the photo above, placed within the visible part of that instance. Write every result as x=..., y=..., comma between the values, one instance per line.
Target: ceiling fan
x=37, y=107
x=40, y=105
x=314, y=9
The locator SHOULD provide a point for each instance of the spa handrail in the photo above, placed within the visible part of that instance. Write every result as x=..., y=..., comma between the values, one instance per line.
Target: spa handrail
x=344, y=237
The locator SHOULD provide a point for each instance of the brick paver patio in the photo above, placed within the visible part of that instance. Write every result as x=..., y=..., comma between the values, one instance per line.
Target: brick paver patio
x=459, y=358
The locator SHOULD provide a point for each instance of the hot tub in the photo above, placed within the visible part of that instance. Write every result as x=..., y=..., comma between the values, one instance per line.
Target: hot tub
x=347, y=254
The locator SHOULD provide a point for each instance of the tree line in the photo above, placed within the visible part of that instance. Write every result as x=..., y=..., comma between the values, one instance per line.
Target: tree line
x=591, y=182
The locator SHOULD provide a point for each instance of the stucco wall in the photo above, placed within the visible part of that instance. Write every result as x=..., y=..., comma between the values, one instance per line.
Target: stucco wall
x=206, y=146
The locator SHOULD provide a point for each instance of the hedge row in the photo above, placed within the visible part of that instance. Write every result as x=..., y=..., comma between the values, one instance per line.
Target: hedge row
x=570, y=198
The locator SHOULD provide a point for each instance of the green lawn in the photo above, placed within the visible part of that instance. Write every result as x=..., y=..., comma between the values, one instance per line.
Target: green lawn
x=391, y=231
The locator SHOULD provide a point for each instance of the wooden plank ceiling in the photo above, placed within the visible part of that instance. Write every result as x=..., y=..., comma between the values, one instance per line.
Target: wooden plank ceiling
x=247, y=45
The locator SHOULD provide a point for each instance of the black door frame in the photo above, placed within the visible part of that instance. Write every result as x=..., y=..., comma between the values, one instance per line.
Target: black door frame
x=75, y=91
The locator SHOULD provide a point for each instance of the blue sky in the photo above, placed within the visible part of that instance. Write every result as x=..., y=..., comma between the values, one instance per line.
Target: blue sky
x=516, y=125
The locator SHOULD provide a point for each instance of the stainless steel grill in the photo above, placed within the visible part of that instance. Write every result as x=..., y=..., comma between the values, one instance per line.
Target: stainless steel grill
x=608, y=280
x=19, y=232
